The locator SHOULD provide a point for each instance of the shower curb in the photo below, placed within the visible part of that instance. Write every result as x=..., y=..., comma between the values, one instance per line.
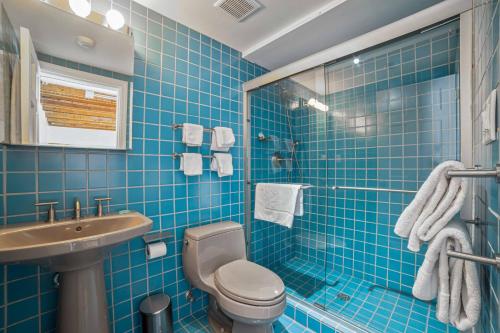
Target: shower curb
x=317, y=319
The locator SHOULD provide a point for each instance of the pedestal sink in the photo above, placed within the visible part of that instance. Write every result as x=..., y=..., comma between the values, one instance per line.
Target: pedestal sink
x=76, y=250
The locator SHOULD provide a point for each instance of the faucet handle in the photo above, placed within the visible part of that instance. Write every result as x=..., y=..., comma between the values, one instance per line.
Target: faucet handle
x=99, y=204
x=52, y=212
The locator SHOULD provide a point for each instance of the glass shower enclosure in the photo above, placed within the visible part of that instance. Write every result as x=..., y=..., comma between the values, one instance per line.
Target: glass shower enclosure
x=361, y=133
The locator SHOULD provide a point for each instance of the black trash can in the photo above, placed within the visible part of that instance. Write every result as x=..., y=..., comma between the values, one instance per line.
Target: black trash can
x=156, y=313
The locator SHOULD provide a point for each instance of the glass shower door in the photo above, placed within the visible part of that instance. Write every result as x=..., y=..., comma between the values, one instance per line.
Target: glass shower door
x=288, y=145
x=393, y=115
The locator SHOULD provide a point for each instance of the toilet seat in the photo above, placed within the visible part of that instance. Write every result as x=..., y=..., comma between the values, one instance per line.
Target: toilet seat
x=248, y=283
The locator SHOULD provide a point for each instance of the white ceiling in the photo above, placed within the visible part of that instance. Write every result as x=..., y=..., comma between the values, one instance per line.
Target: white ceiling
x=284, y=31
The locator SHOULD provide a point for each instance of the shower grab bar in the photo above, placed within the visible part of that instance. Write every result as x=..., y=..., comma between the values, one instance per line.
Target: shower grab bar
x=471, y=257
x=302, y=186
x=477, y=173
x=376, y=189
x=176, y=126
x=177, y=155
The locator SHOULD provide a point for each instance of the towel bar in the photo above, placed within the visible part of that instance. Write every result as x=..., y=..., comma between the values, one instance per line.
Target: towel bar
x=376, y=189
x=477, y=173
x=302, y=186
x=176, y=126
x=177, y=155
x=471, y=257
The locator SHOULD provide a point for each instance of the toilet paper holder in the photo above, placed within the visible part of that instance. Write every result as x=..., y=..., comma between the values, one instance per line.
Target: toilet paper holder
x=157, y=236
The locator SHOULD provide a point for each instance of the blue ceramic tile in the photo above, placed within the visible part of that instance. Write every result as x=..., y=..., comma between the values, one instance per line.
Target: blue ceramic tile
x=20, y=160
x=76, y=161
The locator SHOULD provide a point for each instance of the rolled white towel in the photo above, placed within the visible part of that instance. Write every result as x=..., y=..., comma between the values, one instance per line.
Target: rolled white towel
x=454, y=282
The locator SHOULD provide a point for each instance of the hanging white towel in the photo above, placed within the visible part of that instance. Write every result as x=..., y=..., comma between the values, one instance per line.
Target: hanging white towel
x=277, y=203
x=434, y=205
x=454, y=282
x=223, y=164
x=191, y=164
x=192, y=135
x=222, y=139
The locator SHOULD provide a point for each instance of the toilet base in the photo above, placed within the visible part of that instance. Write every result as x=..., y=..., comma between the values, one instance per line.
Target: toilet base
x=220, y=323
x=240, y=327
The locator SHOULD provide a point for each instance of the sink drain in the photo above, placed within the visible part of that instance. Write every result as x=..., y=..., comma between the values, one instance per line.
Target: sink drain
x=343, y=297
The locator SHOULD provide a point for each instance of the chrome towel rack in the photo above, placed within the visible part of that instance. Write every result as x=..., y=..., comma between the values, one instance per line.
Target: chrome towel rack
x=376, y=189
x=176, y=126
x=177, y=155
x=302, y=186
x=471, y=257
x=477, y=173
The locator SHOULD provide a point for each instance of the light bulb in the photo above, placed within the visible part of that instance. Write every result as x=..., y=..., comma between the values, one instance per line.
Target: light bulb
x=356, y=61
x=81, y=8
x=115, y=19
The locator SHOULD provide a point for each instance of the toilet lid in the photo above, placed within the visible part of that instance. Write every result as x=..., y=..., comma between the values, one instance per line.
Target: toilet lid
x=247, y=280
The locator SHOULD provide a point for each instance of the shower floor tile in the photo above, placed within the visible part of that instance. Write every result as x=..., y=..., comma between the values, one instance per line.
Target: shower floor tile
x=369, y=306
x=198, y=323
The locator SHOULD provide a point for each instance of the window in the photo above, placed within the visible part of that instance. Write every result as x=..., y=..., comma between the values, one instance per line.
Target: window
x=78, y=107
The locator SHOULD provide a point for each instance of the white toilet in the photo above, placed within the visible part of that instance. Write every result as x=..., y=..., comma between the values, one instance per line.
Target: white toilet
x=244, y=297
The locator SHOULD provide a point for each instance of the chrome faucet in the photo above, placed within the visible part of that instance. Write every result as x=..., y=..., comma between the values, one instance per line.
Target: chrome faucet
x=51, y=214
x=78, y=209
x=99, y=205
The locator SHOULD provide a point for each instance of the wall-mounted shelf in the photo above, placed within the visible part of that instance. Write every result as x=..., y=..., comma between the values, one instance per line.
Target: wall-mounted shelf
x=157, y=236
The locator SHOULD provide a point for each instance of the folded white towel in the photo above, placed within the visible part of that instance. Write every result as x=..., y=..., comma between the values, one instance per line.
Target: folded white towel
x=223, y=164
x=191, y=164
x=454, y=282
x=277, y=203
x=192, y=135
x=434, y=205
x=222, y=139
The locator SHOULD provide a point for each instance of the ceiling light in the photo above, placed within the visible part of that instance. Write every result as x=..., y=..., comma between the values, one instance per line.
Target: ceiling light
x=81, y=8
x=115, y=19
x=355, y=60
x=317, y=105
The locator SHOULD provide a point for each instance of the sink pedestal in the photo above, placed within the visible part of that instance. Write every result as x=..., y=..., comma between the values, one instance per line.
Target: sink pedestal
x=76, y=249
x=82, y=304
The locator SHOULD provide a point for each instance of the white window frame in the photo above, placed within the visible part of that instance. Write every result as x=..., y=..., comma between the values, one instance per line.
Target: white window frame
x=100, y=83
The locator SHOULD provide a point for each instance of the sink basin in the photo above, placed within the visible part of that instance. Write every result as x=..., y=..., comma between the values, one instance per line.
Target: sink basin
x=75, y=249
x=59, y=245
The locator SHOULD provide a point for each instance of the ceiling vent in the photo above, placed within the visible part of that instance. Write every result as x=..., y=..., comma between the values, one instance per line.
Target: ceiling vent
x=239, y=9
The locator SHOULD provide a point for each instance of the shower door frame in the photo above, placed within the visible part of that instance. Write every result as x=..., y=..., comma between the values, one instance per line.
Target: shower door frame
x=420, y=20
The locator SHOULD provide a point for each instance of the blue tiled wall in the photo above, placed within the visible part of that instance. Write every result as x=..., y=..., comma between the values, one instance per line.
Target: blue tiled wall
x=180, y=76
x=486, y=16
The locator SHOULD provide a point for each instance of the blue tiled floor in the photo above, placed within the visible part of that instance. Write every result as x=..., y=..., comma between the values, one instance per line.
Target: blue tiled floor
x=198, y=323
x=369, y=306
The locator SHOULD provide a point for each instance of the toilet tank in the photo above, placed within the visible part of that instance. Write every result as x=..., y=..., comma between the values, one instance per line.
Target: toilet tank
x=208, y=247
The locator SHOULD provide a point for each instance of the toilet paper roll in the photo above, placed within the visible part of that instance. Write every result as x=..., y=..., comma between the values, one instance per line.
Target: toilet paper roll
x=156, y=250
